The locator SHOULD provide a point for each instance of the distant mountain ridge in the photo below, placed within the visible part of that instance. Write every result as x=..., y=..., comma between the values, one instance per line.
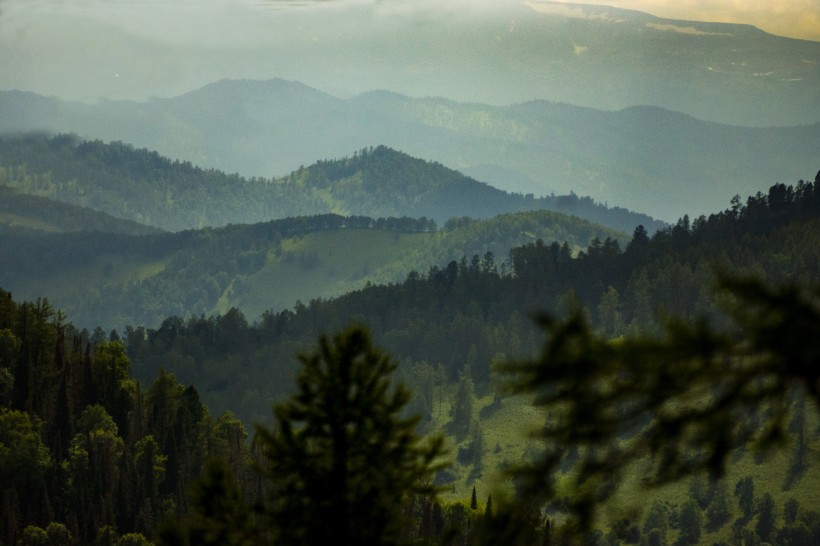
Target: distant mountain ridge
x=642, y=158
x=20, y=210
x=380, y=182
x=115, y=279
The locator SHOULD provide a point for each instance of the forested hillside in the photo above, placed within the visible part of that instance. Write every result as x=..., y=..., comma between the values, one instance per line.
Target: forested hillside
x=478, y=309
x=654, y=160
x=115, y=280
x=145, y=187
x=21, y=210
x=87, y=454
x=90, y=455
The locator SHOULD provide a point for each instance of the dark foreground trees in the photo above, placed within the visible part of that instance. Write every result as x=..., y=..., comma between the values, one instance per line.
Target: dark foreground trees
x=676, y=405
x=343, y=460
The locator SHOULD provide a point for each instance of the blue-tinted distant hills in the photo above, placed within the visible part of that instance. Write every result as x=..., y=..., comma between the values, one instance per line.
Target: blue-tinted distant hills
x=641, y=158
x=143, y=186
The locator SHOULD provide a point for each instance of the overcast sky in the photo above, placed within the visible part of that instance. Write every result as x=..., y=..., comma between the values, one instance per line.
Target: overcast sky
x=115, y=49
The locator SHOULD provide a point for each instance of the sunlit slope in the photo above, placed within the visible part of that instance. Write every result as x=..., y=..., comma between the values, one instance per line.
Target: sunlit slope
x=319, y=265
x=645, y=158
x=506, y=425
x=379, y=182
x=326, y=264
x=117, y=280
x=25, y=211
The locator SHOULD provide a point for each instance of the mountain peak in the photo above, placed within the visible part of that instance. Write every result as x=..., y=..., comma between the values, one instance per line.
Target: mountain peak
x=250, y=89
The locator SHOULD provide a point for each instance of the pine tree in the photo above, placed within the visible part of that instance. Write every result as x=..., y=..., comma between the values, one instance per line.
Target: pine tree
x=690, y=523
x=766, y=518
x=474, y=500
x=719, y=511
x=342, y=459
x=745, y=493
x=463, y=403
x=219, y=515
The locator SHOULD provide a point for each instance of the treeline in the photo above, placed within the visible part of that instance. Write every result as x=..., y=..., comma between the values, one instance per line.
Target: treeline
x=90, y=456
x=189, y=270
x=31, y=211
x=474, y=311
x=118, y=280
x=86, y=453
x=143, y=186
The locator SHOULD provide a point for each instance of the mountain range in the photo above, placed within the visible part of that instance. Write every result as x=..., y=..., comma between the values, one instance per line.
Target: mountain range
x=642, y=158
x=380, y=182
x=120, y=279
x=495, y=52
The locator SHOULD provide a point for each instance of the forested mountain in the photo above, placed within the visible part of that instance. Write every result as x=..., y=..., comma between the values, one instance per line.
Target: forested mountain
x=477, y=309
x=643, y=158
x=88, y=455
x=115, y=279
x=21, y=210
x=148, y=188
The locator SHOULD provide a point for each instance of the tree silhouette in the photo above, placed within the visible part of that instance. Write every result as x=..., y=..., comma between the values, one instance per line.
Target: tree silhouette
x=219, y=515
x=684, y=401
x=342, y=459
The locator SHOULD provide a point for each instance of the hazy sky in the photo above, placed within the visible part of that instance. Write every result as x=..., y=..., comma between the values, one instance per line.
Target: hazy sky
x=792, y=18
x=91, y=49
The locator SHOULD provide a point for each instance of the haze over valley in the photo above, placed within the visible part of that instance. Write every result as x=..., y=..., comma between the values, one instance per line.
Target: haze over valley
x=396, y=272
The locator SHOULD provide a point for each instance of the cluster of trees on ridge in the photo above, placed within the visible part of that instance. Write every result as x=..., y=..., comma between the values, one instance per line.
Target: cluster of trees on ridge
x=85, y=438
x=83, y=444
x=88, y=458
x=145, y=187
x=197, y=266
x=119, y=279
x=19, y=209
x=472, y=312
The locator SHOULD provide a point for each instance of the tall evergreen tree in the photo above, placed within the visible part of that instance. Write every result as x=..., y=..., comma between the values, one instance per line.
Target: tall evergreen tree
x=745, y=493
x=219, y=515
x=766, y=518
x=342, y=459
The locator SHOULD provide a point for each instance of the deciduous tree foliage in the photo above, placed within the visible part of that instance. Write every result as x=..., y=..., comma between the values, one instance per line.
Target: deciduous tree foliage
x=343, y=459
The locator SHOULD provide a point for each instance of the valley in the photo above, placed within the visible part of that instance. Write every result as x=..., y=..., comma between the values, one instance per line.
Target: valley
x=396, y=273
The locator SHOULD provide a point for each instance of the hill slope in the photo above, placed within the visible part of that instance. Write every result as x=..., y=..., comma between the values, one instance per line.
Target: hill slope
x=30, y=211
x=640, y=158
x=145, y=187
x=117, y=280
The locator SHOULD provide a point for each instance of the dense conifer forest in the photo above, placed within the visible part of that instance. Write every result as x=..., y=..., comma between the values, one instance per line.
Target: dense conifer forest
x=120, y=279
x=479, y=309
x=104, y=438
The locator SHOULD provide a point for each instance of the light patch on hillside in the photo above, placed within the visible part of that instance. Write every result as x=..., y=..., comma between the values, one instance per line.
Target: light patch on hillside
x=576, y=12
x=579, y=49
x=685, y=30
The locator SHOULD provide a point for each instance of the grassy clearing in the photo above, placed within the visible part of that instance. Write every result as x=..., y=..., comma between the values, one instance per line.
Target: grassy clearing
x=507, y=429
x=319, y=265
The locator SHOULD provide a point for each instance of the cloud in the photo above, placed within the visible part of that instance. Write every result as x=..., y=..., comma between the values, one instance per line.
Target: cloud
x=285, y=4
x=575, y=12
x=685, y=30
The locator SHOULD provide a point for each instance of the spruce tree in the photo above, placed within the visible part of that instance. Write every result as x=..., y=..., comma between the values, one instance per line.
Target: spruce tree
x=766, y=518
x=342, y=459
